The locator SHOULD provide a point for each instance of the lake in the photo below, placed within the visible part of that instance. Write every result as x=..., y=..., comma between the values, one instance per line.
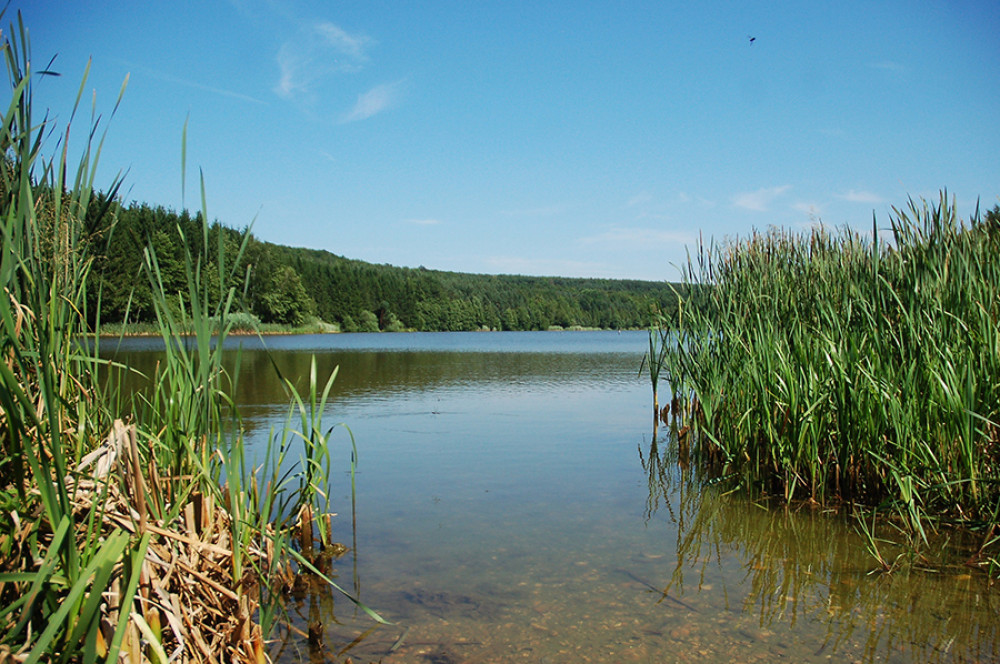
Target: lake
x=514, y=504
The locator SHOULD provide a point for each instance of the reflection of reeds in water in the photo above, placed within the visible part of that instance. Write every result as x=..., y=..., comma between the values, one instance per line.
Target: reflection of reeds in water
x=653, y=362
x=801, y=563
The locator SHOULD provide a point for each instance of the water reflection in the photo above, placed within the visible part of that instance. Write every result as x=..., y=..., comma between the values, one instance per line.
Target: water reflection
x=382, y=375
x=803, y=565
x=322, y=625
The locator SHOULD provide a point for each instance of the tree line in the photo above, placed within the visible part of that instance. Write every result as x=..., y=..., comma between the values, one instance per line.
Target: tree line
x=292, y=286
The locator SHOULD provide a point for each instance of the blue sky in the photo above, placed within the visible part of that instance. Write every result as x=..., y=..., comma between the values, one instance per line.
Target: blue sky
x=581, y=138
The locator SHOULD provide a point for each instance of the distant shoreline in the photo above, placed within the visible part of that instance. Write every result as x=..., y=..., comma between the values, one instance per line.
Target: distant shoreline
x=333, y=330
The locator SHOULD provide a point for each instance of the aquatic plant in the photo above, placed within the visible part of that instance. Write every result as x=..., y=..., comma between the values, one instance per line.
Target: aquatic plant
x=652, y=361
x=137, y=538
x=847, y=367
x=54, y=557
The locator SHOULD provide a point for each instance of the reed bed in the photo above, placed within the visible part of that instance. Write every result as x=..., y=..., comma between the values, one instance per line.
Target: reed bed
x=841, y=366
x=151, y=539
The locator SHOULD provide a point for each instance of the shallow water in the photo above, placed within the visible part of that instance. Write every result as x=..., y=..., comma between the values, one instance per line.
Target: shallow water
x=514, y=505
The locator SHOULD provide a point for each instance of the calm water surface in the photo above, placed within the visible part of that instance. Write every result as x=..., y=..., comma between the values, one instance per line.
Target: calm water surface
x=515, y=506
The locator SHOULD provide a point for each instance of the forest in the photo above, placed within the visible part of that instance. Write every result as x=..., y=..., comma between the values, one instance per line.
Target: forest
x=295, y=286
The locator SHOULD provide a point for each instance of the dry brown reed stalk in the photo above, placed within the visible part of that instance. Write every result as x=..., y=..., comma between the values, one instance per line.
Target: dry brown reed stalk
x=186, y=578
x=187, y=606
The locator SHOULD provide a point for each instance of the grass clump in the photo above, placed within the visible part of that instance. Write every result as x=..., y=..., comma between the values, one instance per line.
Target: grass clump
x=844, y=367
x=149, y=539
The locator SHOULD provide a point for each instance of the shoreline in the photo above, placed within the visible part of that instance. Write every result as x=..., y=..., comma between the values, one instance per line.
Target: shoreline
x=304, y=331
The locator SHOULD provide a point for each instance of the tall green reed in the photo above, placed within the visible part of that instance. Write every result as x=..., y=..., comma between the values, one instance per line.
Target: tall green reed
x=653, y=360
x=198, y=431
x=57, y=558
x=50, y=417
x=844, y=366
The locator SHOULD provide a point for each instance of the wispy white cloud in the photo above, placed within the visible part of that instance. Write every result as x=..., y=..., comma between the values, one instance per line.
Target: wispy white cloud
x=642, y=198
x=317, y=52
x=352, y=47
x=862, y=197
x=373, y=102
x=187, y=82
x=684, y=197
x=651, y=210
x=653, y=216
x=639, y=237
x=760, y=200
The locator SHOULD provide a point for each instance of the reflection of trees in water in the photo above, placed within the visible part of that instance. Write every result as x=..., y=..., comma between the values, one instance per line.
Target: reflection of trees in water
x=384, y=374
x=395, y=372
x=808, y=565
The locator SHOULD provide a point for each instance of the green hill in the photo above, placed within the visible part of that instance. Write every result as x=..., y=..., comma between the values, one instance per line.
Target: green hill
x=291, y=285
